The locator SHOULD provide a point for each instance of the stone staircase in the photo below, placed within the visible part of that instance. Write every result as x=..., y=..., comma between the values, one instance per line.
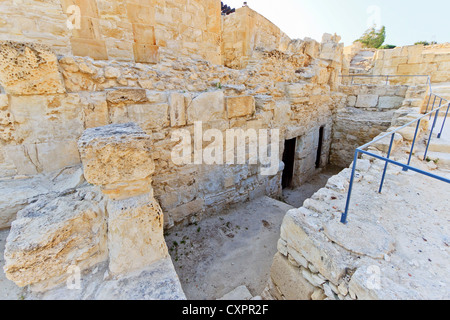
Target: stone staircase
x=442, y=90
x=362, y=62
x=439, y=150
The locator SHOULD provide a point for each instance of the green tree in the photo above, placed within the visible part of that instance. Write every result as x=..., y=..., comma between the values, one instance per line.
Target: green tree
x=388, y=46
x=373, y=38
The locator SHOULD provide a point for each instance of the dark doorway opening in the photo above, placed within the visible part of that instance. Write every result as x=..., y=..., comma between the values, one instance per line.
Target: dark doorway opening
x=319, y=148
x=288, y=159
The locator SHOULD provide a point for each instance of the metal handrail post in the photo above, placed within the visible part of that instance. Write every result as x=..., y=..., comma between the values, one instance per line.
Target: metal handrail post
x=405, y=167
x=402, y=165
x=350, y=188
x=440, y=104
x=386, y=165
x=443, y=124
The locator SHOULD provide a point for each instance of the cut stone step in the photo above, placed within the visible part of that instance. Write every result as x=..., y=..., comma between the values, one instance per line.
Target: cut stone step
x=441, y=159
x=439, y=145
x=239, y=294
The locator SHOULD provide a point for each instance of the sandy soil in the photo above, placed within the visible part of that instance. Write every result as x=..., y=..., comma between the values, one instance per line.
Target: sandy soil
x=218, y=254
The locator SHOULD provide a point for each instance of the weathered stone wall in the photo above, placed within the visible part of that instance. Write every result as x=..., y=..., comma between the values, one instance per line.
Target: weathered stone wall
x=368, y=111
x=414, y=60
x=292, y=92
x=119, y=221
x=124, y=30
x=42, y=22
x=244, y=31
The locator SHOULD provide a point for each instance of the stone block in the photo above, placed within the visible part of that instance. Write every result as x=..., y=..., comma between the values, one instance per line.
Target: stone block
x=88, y=8
x=240, y=106
x=208, y=106
x=409, y=69
x=351, y=101
x=177, y=109
x=182, y=212
x=135, y=234
x=24, y=158
x=27, y=69
x=116, y=153
x=89, y=29
x=56, y=155
x=415, y=54
x=53, y=234
x=139, y=13
x=241, y=293
x=46, y=118
x=361, y=237
x=13, y=198
x=144, y=34
x=367, y=101
x=440, y=76
x=383, y=144
x=282, y=113
x=95, y=109
x=298, y=90
x=156, y=282
x=120, y=50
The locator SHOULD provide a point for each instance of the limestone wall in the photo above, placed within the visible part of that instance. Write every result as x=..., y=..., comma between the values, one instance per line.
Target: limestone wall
x=43, y=121
x=415, y=60
x=319, y=258
x=244, y=31
x=35, y=21
x=123, y=30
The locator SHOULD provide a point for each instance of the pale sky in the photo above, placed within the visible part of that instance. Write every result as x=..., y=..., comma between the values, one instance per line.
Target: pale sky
x=406, y=21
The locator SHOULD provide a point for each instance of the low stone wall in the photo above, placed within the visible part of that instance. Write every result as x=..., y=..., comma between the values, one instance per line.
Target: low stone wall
x=414, y=60
x=319, y=258
x=119, y=222
x=244, y=31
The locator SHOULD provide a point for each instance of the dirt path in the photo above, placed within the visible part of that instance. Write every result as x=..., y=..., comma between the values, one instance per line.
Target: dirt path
x=8, y=289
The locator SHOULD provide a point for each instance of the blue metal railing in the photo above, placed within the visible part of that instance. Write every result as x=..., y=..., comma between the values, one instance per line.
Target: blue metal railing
x=443, y=103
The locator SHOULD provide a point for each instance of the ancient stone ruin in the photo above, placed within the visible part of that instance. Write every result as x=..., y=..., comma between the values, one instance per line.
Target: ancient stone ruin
x=130, y=128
